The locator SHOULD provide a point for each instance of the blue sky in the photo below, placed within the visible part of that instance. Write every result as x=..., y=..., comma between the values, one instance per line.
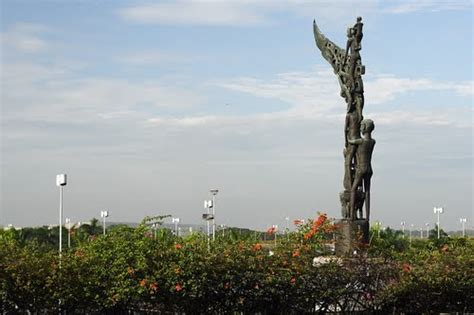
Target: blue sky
x=149, y=104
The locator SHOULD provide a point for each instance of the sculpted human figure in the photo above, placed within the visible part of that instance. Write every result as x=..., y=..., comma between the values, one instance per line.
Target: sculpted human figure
x=363, y=172
x=351, y=131
x=354, y=35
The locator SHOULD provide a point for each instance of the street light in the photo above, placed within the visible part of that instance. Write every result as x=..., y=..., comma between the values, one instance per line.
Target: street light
x=427, y=230
x=208, y=204
x=379, y=227
x=68, y=227
x=403, y=228
x=421, y=232
x=154, y=226
x=438, y=211
x=463, y=223
x=104, y=214
x=176, y=222
x=61, y=181
x=214, y=193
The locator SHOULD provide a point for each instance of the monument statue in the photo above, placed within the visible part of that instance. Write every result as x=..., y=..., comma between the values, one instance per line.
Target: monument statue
x=347, y=66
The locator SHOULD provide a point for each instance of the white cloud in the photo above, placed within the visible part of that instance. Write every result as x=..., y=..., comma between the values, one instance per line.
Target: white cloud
x=153, y=58
x=250, y=12
x=385, y=88
x=191, y=12
x=25, y=37
x=52, y=93
x=409, y=6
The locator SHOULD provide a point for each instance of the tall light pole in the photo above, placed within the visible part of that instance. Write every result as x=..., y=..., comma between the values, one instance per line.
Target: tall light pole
x=61, y=181
x=438, y=211
x=68, y=227
x=427, y=230
x=275, y=229
x=379, y=225
x=214, y=193
x=403, y=228
x=463, y=223
x=176, y=222
x=411, y=228
x=154, y=226
x=421, y=232
x=104, y=214
x=208, y=204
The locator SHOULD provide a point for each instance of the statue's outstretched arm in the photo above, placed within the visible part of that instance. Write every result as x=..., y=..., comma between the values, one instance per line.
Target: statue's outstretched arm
x=355, y=141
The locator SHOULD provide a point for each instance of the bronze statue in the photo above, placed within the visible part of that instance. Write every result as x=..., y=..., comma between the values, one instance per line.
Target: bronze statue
x=363, y=169
x=347, y=65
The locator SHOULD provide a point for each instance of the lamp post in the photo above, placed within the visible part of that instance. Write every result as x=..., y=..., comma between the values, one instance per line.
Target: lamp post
x=208, y=204
x=403, y=228
x=379, y=227
x=275, y=229
x=438, y=211
x=223, y=226
x=421, y=232
x=463, y=223
x=154, y=226
x=214, y=193
x=68, y=227
x=411, y=228
x=427, y=230
x=176, y=222
x=104, y=214
x=61, y=181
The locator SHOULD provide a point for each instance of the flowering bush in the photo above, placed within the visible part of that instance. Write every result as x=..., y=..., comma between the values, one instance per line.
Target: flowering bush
x=130, y=269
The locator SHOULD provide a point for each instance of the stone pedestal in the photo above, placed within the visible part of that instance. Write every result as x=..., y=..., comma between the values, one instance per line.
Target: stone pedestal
x=351, y=236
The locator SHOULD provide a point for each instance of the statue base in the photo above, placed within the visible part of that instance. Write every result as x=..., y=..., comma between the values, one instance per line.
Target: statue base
x=351, y=236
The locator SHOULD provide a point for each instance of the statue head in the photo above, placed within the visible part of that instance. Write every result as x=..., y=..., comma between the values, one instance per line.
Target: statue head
x=367, y=126
x=359, y=19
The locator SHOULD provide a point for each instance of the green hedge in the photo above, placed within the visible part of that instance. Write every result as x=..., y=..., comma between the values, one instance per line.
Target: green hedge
x=131, y=270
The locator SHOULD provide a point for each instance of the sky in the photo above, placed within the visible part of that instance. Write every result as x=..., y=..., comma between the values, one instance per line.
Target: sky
x=146, y=105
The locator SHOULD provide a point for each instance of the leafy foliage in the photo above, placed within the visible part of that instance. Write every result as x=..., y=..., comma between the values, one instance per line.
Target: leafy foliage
x=137, y=269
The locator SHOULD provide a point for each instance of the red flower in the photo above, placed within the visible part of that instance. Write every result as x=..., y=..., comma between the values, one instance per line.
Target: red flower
x=293, y=280
x=177, y=246
x=296, y=253
x=406, y=267
x=298, y=222
x=178, y=287
x=153, y=287
x=271, y=230
x=257, y=247
x=143, y=283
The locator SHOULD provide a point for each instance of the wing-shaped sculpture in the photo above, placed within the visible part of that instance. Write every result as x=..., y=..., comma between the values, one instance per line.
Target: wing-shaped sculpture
x=331, y=52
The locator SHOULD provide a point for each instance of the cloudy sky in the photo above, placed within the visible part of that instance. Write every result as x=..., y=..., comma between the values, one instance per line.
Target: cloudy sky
x=146, y=105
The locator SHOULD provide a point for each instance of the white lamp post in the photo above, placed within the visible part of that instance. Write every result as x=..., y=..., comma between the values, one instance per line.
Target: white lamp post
x=61, y=181
x=104, y=214
x=68, y=227
x=154, y=226
x=403, y=228
x=463, y=223
x=208, y=204
x=176, y=222
x=438, y=211
x=421, y=232
x=214, y=193
x=275, y=229
x=427, y=230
